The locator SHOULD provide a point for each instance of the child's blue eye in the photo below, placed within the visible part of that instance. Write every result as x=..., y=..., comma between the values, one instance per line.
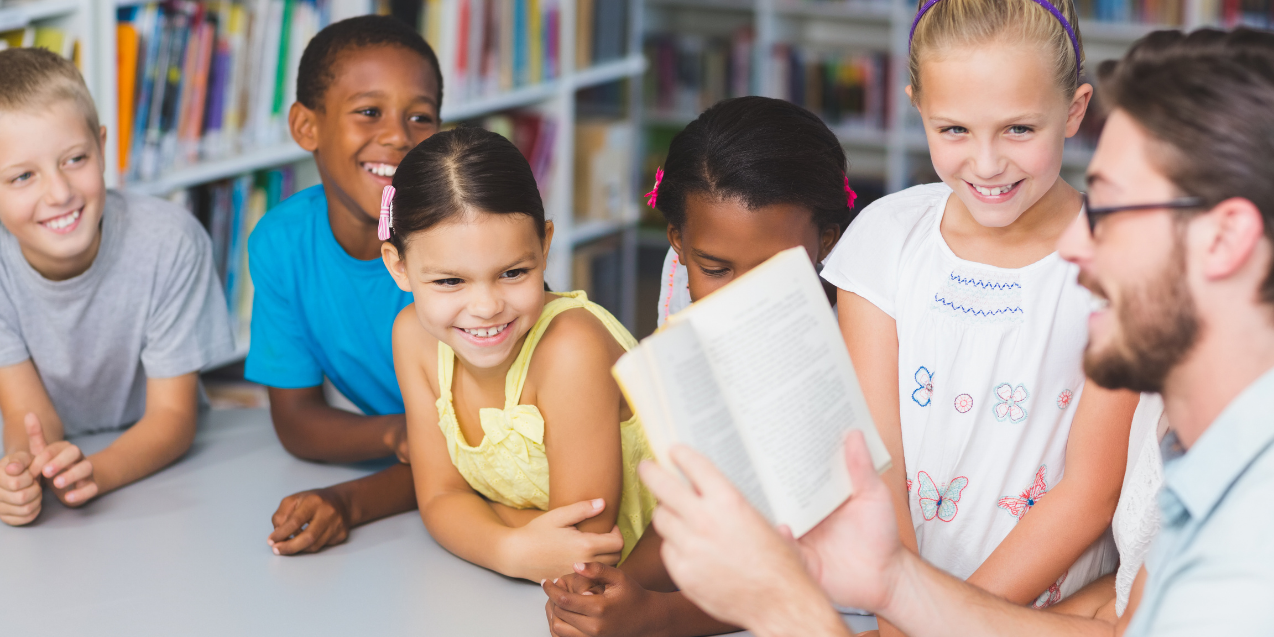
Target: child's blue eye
x=513, y=274
x=1019, y=130
x=448, y=282
x=77, y=159
x=958, y=130
x=23, y=177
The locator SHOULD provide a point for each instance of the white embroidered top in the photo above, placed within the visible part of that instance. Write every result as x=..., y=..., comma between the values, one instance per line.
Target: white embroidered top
x=989, y=371
x=674, y=287
x=1136, y=521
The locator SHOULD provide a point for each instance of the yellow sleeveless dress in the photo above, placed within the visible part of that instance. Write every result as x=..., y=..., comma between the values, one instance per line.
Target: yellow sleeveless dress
x=509, y=466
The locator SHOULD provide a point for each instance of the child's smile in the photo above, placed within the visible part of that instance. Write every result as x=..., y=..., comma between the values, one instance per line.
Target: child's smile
x=487, y=336
x=995, y=194
x=64, y=223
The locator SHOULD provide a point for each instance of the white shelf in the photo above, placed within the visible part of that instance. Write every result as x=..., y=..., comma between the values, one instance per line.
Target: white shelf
x=18, y=16
x=720, y=5
x=204, y=172
x=878, y=12
x=631, y=66
x=590, y=230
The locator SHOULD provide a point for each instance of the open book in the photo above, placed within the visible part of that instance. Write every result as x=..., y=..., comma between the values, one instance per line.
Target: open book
x=756, y=377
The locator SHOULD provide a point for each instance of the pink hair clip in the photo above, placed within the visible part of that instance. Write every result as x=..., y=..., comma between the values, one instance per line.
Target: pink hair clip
x=386, y=213
x=653, y=195
x=849, y=193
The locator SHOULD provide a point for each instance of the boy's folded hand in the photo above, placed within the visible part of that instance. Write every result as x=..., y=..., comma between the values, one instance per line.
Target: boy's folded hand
x=20, y=492
x=598, y=600
x=309, y=521
x=550, y=545
x=61, y=463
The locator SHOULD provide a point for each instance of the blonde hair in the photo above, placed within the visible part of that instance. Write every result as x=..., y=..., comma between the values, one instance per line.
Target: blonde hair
x=33, y=79
x=951, y=23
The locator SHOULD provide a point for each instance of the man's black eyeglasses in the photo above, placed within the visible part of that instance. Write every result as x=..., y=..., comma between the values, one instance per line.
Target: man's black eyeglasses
x=1096, y=214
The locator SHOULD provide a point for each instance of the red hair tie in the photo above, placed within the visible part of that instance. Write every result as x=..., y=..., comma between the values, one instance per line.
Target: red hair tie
x=849, y=193
x=653, y=195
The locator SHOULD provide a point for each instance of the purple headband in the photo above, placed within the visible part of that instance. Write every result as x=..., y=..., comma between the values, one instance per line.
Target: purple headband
x=1043, y=3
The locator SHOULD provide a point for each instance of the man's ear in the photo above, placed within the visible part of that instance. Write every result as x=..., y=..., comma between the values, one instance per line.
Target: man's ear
x=303, y=124
x=674, y=239
x=396, y=264
x=827, y=240
x=1235, y=232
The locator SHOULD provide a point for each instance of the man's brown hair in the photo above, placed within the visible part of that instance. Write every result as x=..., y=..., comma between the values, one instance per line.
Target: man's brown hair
x=33, y=79
x=1207, y=97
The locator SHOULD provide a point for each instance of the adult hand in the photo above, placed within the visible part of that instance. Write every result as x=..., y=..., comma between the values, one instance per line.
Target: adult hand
x=63, y=464
x=853, y=553
x=20, y=492
x=726, y=558
x=599, y=600
x=549, y=546
x=309, y=521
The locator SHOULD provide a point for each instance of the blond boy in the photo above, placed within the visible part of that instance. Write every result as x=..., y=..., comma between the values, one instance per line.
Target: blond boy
x=109, y=305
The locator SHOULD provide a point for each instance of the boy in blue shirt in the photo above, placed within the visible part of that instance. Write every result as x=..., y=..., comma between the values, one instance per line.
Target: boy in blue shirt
x=368, y=90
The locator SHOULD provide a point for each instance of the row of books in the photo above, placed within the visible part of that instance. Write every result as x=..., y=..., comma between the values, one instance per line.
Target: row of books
x=845, y=89
x=490, y=46
x=52, y=38
x=690, y=72
x=207, y=79
x=1165, y=12
x=229, y=210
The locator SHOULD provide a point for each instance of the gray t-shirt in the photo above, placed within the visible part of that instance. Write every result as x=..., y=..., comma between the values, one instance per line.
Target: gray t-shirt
x=150, y=306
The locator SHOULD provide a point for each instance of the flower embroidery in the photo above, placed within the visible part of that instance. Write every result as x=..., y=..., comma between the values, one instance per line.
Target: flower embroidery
x=1017, y=506
x=1052, y=595
x=941, y=504
x=963, y=403
x=1064, y=399
x=1010, y=402
x=924, y=393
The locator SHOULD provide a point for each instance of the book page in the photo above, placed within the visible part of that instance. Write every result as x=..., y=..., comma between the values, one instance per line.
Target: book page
x=779, y=359
x=669, y=383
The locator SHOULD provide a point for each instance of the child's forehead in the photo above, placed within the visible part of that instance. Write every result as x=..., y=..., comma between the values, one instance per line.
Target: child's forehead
x=381, y=69
x=42, y=129
x=989, y=77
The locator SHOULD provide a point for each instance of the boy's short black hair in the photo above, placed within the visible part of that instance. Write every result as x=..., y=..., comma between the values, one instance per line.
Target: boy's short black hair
x=315, y=72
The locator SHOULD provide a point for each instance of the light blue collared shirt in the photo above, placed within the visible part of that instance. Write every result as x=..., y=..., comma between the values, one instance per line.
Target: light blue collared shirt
x=1211, y=569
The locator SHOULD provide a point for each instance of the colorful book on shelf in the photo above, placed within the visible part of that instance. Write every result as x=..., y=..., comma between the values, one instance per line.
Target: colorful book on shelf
x=127, y=43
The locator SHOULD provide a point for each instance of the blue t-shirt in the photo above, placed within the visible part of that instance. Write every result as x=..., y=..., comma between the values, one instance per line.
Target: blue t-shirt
x=318, y=312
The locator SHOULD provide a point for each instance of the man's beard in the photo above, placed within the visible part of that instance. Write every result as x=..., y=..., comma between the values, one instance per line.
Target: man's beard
x=1158, y=327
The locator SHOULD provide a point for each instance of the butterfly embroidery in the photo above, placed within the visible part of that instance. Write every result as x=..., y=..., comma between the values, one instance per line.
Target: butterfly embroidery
x=1052, y=595
x=1017, y=506
x=924, y=393
x=1010, y=403
x=939, y=504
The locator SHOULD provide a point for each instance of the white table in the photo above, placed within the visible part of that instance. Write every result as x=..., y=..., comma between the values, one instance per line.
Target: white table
x=184, y=553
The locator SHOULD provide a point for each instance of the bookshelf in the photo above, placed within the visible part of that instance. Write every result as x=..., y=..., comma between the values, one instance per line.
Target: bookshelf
x=889, y=149
x=200, y=175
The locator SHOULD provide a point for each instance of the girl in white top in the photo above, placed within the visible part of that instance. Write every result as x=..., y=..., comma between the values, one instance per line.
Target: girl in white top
x=967, y=329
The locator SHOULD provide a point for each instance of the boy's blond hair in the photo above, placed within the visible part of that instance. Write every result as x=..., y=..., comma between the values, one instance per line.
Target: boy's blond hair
x=952, y=23
x=33, y=79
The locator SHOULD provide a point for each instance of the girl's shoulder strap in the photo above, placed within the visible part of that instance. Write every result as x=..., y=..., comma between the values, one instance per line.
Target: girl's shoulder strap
x=565, y=301
x=446, y=369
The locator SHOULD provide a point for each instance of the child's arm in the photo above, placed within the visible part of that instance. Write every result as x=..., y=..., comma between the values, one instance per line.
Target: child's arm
x=1095, y=601
x=872, y=339
x=311, y=429
x=309, y=521
x=1076, y=511
x=460, y=519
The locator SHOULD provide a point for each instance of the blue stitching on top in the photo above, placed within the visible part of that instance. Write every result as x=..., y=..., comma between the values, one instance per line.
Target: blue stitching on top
x=966, y=310
x=984, y=284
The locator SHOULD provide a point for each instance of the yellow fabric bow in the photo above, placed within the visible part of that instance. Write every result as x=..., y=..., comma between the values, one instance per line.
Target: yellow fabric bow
x=499, y=425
